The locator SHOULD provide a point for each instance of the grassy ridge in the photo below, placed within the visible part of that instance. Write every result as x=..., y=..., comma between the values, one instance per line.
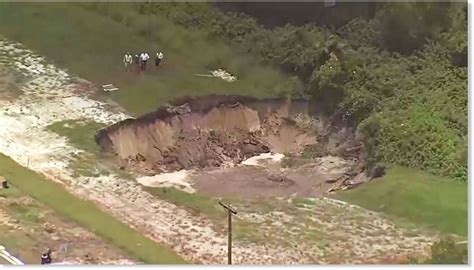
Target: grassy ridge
x=418, y=197
x=91, y=45
x=86, y=214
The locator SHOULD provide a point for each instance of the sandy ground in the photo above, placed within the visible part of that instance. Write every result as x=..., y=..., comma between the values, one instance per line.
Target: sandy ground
x=49, y=95
x=28, y=228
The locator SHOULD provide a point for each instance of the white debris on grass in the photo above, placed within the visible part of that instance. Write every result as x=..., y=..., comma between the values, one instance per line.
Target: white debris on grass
x=263, y=158
x=177, y=179
x=226, y=76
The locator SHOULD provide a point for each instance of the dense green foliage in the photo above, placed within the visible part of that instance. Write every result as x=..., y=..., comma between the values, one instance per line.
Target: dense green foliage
x=445, y=251
x=400, y=77
x=418, y=197
x=404, y=86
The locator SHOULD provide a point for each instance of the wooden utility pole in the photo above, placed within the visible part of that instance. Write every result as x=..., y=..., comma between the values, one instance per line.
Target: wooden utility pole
x=230, y=211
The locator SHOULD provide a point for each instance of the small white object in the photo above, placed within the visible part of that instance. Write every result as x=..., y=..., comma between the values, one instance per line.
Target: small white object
x=226, y=76
x=109, y=88
x=204, y=75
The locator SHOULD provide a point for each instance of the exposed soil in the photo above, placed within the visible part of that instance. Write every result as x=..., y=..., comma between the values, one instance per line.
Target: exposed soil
x=9, y=81
x=209, y=131
x=212, y=135
x=355, y=235
x=312, y=179
x=29, y=228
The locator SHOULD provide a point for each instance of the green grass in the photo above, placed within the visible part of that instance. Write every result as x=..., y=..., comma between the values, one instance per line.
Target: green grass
x=29, y=213
x=197, y=203
x=81, y=135
x=11, y=192
x=416, y=196
x=209, y=206
x=203, y=205
x=16, y=241
x=78, y=133
x=93, y=162
x=91, y=45
x=303, y=202
x=86, y=214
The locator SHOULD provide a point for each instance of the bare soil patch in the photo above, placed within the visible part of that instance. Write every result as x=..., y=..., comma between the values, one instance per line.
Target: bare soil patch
x=312, y=179
x=203, y=132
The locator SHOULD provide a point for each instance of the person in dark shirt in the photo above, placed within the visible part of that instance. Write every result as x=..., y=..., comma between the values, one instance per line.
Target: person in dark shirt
x=136, y=60
x=46, y=257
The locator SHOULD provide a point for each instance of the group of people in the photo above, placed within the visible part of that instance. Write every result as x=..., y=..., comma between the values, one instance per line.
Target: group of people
x=141, y=60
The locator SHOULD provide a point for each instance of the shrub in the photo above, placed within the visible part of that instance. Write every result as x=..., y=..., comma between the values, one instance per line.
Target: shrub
x=401, y=76
x=446, y=251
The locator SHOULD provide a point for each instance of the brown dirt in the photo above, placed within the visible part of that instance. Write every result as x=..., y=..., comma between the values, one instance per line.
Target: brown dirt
x=210, y=131
x=309, y=180
x=216, y=133
x=8, y=88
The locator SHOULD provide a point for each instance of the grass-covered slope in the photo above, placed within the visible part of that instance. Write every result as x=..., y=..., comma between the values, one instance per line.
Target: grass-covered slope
x=416, y=196
x=91, y=44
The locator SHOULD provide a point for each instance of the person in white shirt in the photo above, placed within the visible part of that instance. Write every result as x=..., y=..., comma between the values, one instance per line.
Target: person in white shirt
x=127, y=60
x=143, y=59
x=158, y=58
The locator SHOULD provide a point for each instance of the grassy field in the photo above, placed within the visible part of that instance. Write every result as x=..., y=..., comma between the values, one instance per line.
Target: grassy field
x=92, y=162
x=79, y=133
x=418, y=197
x=196, y=203
x=86, y=214
x=209, y=207
x=92, y=45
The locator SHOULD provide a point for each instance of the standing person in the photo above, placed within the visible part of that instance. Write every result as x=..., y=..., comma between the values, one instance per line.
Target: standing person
x=136, y=60
x=158, y=58
x=127, y=60
x=144, y=58
x=46, y=257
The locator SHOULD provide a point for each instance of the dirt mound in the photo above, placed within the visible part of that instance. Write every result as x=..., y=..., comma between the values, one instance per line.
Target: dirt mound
x=208, y=131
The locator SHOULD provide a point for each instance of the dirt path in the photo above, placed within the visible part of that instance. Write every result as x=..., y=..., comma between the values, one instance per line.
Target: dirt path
x=49, y=96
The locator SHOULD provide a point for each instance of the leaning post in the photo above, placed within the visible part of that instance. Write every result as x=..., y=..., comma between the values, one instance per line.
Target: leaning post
x=230, y=212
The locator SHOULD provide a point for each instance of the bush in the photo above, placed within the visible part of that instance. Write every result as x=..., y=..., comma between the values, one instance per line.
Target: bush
x=401, y=76
x=446, y=251
x=416, y=137
x=406, y=27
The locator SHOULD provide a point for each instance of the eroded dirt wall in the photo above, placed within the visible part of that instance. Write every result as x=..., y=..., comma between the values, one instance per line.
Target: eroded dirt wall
x=206, y=131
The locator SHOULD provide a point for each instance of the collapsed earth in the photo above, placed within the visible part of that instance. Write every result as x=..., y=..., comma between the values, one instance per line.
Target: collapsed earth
x=333, y=143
